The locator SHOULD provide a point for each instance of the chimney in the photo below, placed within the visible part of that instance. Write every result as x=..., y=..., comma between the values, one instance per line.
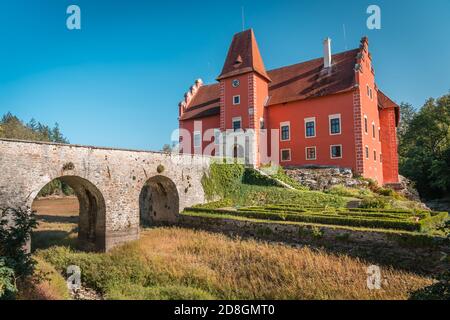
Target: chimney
x=327, y=53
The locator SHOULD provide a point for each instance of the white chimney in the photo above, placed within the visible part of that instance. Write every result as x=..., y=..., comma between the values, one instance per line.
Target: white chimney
x=327, y=53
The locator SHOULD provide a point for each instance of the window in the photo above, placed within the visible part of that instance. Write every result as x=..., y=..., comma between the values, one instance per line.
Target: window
x=285, y=131
x=311, y=153
x=236, y=100
x=236, y=124
x=261, y=123
x=197, y=139
x=366, y=129
x=373, y=130
x=336, y=151
x=286, y=155
x=369, y=92
x=379, y=134
x=216, y=136
x=381, y=157
x=335, y=124
x=310, y=127
x=375, y=155
x=367, y=152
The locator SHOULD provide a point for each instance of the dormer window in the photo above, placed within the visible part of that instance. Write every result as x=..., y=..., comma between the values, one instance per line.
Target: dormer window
x=238, y=61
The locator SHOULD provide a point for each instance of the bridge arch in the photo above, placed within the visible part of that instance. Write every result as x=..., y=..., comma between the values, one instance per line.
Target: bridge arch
x=92, y=212
x=159, y=201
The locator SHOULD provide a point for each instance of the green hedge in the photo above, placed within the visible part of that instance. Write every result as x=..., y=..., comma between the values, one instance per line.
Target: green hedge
x=316, y=218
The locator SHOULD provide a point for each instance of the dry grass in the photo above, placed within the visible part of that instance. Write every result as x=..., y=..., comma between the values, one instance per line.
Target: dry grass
x=47, y=284
x=173, y=263
x=238, y=269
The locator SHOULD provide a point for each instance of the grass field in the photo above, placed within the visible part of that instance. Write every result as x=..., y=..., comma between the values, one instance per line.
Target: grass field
x=174, y=263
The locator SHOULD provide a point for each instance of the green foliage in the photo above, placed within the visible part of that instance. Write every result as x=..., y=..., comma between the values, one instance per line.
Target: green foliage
x=282, y=176
x=253, y=177
x=224, y=203
x=411, y=221
x=226, y=181
x=15, y=230
x=222, y=180
x=56, y=186
x=374, y=202
x=11, y=127
x=7, y=281
x=424, y=148
x=343, y=191
x=122, y=274
x=437, y=291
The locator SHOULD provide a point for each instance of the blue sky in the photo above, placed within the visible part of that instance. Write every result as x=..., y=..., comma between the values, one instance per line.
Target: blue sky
x=117, y=82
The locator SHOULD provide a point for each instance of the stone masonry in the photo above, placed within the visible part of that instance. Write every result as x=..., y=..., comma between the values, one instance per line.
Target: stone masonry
x=116, y=188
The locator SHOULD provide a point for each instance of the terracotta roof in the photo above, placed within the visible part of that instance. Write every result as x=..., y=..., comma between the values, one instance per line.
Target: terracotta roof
x=205, y=103
x=310, y=79
x=384, y=102
x=295, y=82
x=243, y=56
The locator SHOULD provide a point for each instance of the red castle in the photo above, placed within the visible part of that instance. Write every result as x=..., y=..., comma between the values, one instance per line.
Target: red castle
x=328, y=112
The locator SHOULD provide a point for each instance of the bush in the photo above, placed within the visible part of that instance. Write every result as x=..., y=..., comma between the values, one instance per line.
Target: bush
x=15, y=230
x=377, y=203
x=7, y=281
x=253, y=177
x=216, y=204
x=321, y=218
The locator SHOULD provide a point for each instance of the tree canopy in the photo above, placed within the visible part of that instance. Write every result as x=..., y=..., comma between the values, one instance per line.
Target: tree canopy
x=424, y=146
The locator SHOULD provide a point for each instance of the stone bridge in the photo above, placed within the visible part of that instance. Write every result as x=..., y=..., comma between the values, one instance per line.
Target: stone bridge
x=117, y=189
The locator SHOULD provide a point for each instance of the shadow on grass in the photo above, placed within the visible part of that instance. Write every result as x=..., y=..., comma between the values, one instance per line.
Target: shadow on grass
x=43, y=239
x=57, y=219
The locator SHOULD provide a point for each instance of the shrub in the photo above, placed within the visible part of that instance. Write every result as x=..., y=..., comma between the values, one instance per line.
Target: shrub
x=321, y=218
x=377, y=202
x=253, y=177
x=15, y=230
x=216, y=204
x=7, y=281
x=282, y=176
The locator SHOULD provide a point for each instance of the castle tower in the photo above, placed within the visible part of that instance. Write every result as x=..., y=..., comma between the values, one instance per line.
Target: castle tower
x=244, y=90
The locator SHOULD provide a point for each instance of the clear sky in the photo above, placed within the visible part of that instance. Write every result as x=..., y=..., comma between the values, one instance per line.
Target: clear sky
x=118, y=80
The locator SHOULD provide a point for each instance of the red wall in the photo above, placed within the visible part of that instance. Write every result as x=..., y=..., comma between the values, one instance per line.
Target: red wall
x=320, y=108
x=372, y=168
x=203, y=124
x=389, y=145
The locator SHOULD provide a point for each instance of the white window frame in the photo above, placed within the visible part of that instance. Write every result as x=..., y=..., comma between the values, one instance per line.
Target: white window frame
x=311, y=119
x=285, y=124
x=281, y=155
x=236, y=119
x=315, y=153
x=366, y=152
x=366, y=120
x=199, y=133
x=239, y=100
x=332, y=117
x=331, y=151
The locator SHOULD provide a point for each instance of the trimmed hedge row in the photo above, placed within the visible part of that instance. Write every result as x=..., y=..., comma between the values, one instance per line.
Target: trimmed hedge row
x=335, y=218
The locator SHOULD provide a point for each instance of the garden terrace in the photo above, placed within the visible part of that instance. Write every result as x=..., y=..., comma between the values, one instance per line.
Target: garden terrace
x=402, y=220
